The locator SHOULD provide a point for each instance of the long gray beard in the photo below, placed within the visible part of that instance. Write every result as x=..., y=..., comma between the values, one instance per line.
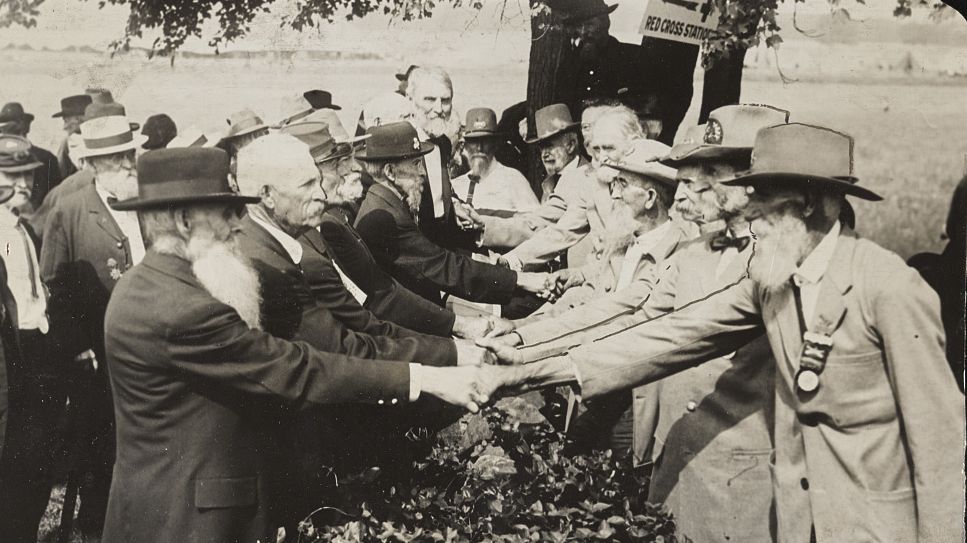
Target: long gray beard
x=622, y=231
x=777, y=253
x=227, y=277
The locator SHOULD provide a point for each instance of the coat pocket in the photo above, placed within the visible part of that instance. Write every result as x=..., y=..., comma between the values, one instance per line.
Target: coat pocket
x=226, y=492
x=891, y=516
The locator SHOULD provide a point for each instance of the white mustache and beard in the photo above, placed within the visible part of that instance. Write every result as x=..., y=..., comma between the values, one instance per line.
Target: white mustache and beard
x=412, y=190
x=480, y=163
x=779, y=248
x=435, y=126
x=622, y=231
x=226, y=275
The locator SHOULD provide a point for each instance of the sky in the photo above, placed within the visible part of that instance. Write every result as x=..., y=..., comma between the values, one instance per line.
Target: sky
x=64, y=23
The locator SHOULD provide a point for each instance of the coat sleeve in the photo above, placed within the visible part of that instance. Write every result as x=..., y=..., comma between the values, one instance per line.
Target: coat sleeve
x=406, y=308
x=223, y=351
x=67, y=305
x=907, y=318
x=673, y=342
x=555, y=238
x=645, y=298
x=406, y=252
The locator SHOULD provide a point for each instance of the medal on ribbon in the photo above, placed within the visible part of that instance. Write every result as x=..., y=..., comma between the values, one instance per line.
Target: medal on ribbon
x=812, y=360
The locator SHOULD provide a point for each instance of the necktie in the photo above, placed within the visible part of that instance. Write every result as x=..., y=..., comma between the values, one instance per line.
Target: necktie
x=31, y=269
x=473, y=185
x=723, y=241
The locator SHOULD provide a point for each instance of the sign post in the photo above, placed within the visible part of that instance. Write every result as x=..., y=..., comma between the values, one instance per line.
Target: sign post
x=687, y=21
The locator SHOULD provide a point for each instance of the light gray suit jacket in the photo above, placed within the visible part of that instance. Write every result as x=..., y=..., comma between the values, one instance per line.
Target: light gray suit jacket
x=876, y=453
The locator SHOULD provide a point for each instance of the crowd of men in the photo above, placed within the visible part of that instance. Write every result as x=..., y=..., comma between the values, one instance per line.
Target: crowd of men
x=201, y=329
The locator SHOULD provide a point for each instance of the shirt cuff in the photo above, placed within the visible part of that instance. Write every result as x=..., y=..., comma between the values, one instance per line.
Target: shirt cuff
x=416, y=381
x=514, y=262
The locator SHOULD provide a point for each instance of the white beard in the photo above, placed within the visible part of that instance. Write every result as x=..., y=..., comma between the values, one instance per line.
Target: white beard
x=227, y=277
x=621, y=231
x=779, y=248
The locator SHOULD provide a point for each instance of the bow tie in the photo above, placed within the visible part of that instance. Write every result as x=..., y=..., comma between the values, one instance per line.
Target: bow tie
x=723, y=241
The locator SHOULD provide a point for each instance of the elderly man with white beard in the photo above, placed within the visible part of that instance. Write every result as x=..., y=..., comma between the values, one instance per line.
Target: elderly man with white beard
x=869, y=423
x=190, y=366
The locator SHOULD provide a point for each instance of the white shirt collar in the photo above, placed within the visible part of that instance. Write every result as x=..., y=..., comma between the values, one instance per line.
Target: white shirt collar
x=814, y=266
x=648, y=240
x=289, y=243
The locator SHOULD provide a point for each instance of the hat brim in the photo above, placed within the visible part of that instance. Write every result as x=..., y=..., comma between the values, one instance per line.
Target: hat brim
x=135, y=204
x=425, y=148
x=608, y=10
x=353, y=139
x=347, y=150
x=244, y=132
x=845, y=185
x=550, y=135
x=136, y=143
x=669, y=180
x=699, y=152
x=481, y=134
x=29, y=117
x=21, y=167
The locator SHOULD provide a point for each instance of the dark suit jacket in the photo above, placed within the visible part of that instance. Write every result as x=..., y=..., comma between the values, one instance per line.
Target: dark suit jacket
x=290, y=310
x=387, y=226
x=443, y=231
x=8, y=349
x=187, y=375
x=385, y=296
x=70, y=185
x=46, y=177
x=82, y=256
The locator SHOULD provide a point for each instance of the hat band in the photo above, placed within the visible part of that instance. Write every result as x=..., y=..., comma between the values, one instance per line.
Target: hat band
x=19, y=158
x=109, y=141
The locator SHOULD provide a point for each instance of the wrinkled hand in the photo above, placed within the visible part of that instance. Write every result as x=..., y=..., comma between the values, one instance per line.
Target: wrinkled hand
x=504, y=348
x=541, y=284
x=469, y=387
x=469, y=354
x=467, y=217
x=500, y=327
x=472, y=327
x=565, y=279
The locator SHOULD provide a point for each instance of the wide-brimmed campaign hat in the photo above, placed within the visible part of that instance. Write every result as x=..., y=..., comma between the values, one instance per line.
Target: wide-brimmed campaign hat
x=552, y=120
x=320, y=99
x=393, y=141
x=243, y=122
x=336, y=128
x=577, y=11
x=14, y=111
x=481, y=123
x=15, y=155
x=189, y=175
x=108, y=135
x=797, y=154
x=322, y=146
x=644, y=160
x=729, y=134
x=73, y=106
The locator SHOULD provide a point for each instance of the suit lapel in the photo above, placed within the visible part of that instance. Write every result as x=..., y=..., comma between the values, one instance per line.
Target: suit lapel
x=262, y=237
x=390, y=198
x=101, y=215
x=837, y=281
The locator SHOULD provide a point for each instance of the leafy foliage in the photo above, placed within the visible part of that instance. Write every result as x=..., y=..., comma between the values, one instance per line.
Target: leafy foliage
x=744, y=23
x=515, y=486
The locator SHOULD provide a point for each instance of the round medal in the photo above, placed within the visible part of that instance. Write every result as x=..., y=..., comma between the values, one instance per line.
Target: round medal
x=807, y=380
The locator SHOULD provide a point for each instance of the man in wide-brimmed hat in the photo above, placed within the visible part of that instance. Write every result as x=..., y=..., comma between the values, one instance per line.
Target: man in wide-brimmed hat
x=72, y=113
x=691, y=422
x=319, y=100
x=244, y=127
x=594, y=64
x=387, y=222
x=189, y=315
x=160, y=130
x=489, y=184
x=87, y=247
x=36, y=402
x=14, y=120
x=559, y=144
x=867, y=411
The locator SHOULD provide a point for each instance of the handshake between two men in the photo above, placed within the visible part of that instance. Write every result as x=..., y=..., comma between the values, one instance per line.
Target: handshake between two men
x=499, y=371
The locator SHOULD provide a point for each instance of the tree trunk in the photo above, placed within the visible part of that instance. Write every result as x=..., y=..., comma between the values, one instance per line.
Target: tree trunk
x=723, y=83
x=547, y=43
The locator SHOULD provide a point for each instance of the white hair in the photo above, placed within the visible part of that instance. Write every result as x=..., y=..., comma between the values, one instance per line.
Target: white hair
x=387, y=108
x=425, y=73
x=274, y=160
